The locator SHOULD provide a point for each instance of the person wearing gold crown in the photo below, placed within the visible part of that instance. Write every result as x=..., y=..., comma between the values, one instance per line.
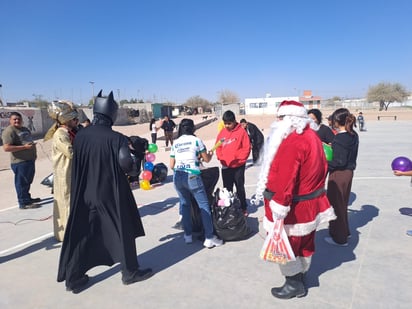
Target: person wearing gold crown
x=65, y=116
x=292, y=184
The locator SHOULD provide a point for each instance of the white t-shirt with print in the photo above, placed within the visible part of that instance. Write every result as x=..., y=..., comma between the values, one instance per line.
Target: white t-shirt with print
x=186, y=150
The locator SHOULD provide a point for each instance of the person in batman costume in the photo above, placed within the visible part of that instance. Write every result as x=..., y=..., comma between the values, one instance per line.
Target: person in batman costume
x=104, y=219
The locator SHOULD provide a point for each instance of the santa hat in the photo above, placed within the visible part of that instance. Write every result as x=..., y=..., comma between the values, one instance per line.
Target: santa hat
x=292, y=108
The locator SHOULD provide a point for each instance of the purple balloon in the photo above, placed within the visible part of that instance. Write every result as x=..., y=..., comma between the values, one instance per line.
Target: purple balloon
x=402, y=164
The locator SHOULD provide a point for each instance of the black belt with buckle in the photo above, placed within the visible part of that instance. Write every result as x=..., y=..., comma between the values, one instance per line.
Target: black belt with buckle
x=267, y=194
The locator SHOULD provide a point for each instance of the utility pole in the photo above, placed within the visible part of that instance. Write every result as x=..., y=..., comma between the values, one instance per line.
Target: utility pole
x=1, y=96
x=92, y=84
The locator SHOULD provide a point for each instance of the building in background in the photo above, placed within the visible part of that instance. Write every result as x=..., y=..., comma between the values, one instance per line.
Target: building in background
x=269, y=104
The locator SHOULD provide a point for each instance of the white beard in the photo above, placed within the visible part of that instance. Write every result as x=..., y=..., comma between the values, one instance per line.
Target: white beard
x=279, y=131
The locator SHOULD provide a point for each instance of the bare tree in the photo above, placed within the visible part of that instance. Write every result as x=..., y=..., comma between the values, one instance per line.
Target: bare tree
x=228, y=97
x=387, y=93
x=197, y=101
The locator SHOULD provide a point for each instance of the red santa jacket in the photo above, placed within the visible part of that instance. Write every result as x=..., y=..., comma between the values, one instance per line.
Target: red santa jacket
x=299, y=168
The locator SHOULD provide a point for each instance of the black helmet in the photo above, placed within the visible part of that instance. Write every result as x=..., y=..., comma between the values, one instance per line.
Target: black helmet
x=106, y=106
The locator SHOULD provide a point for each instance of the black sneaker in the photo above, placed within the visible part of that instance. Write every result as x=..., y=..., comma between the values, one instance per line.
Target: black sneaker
x=30, y=206
x=138, y=275
x=35, y=200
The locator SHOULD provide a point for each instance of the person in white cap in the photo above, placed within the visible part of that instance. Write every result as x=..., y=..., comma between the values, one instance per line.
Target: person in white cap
x=292, y=184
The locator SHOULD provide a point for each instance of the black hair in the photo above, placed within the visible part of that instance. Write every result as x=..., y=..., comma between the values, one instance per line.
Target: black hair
x=152, y=121
x=343, y=117
x=186, y=127
x=317, y=113
x=229, y=116
x=243, y=120
x=16, y=114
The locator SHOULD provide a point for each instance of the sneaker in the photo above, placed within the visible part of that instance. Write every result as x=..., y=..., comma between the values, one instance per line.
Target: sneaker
x=330, y=241
x=35, y=200
x=212, y=242
x=409, y=232
x=188, y=239
x=30, y=206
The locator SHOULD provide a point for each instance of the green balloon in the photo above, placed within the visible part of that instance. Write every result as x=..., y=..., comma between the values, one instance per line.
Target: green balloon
x=152, y=148
x=328, y=151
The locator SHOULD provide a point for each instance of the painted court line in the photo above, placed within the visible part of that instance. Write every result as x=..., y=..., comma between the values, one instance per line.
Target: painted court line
x=26, y=243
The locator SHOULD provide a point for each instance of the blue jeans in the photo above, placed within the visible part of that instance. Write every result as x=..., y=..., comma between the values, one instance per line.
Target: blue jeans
x=23, y=177
x=186, y=185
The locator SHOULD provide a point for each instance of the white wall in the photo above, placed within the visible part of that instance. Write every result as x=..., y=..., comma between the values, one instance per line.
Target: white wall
x=264, y=106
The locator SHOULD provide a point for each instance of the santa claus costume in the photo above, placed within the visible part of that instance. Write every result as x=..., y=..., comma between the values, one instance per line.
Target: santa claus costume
x=292, y=184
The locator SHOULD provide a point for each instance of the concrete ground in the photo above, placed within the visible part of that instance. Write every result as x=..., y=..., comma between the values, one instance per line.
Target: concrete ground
x=372, y=272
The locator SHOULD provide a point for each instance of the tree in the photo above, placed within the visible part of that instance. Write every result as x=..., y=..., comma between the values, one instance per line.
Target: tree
x=197, y=101
x=228, y=97
x=387, y=93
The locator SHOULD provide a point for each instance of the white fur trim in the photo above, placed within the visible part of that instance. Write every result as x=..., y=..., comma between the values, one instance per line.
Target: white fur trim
x=279, y=211
x=301, y=265
x=302, y=229
x=292, y=110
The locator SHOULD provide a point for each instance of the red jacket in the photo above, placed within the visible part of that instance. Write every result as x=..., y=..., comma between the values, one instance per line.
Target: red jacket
x=235, y=148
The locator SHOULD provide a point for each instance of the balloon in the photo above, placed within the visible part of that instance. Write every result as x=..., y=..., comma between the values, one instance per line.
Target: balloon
x=147, y=175
x=152, y=148
x=402, y=164
x=148, y=166
x=328, y=151
x=145, y=185
x=150, y=157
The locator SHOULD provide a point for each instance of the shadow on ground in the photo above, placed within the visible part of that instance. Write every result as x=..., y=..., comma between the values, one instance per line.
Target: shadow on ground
x=47, y=244
x=328, y=257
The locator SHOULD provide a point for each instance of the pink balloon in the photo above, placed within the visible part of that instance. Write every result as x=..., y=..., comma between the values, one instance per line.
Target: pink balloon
x=147, y=175
x=150, y=157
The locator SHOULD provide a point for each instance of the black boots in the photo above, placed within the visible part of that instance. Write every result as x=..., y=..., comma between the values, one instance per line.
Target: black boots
x=136, y=276
x=293, y=287
x=77, y=285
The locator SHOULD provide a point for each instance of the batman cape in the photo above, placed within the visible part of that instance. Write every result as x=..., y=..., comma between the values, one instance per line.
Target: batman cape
x=104, y=219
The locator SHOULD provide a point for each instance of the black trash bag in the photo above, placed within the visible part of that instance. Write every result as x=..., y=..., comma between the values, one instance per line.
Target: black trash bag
x=159, y=173
x=210, y=177
x=229, y=221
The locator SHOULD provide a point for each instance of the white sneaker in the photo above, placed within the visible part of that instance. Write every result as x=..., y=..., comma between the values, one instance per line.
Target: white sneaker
x=212, y=242
x=188, y=238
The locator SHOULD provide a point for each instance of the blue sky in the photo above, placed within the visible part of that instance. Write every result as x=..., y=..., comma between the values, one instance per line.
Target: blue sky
x=171, y=50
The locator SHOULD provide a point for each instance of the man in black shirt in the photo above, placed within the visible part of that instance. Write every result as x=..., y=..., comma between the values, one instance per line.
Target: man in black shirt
x=168, y=126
